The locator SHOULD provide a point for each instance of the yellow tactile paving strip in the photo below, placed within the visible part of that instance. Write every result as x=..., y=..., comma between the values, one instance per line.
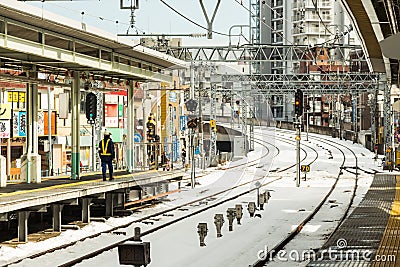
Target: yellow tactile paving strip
x=388, y=253
x=70, y=184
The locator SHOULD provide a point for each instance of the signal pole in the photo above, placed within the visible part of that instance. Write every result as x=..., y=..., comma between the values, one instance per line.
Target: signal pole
x=298, y=110
x=298, y=138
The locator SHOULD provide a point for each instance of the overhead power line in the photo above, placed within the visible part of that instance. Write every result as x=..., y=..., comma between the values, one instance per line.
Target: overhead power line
x=190, y=20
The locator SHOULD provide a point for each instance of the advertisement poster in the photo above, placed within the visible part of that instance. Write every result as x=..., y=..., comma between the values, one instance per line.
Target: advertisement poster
x=111, y=115
x=40, y=123
x=5, y=129
x=19, y=124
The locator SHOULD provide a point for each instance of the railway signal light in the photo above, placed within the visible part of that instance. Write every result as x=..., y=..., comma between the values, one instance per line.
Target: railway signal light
x=213, y=125
x=298, y=103
x=91, y=107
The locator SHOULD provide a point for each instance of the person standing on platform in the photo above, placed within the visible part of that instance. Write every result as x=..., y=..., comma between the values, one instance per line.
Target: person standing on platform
x=107, y=155
x=183, y=157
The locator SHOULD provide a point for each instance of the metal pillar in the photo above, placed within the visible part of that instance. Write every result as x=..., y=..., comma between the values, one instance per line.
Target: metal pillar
x=98, y=126
x=298, y=137
x=109, y=204
x=191, y=92
x=232, y=110
x=374, y=119
x=213, y=134
x=200, y=124
x=49, y=131
x=86, y=210
x=144, y=123
x=75, y=133
x=93, y=160
x=251, y=144
x=192, y=163
x=57, y=209
x=355, y=116
x=244, y=123
x=308, y=125
x=387, y=123
x=31, y=161
x=209, y=22
x=130, y=150
x=23, y=226
x=269, y=112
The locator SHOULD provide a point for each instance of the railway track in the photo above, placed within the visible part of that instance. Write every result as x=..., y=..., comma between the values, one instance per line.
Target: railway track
x=292, y=235
x=162, y=226
x=180, y=207
x=166, y=211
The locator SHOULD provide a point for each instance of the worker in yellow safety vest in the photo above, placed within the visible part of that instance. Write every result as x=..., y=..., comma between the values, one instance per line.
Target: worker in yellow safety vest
x=107, y=154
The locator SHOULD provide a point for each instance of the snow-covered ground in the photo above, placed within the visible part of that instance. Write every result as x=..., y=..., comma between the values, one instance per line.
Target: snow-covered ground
x=178, y=244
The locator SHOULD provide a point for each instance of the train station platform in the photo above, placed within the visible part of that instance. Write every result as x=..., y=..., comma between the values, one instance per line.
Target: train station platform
x=23, y=198
x=370, y=235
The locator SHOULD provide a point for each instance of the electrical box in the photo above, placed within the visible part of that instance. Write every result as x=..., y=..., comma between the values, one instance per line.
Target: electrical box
x=134, y=253
x=238, y=147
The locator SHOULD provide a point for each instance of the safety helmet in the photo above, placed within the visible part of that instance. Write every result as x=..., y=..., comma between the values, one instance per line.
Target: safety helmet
x=106, y=133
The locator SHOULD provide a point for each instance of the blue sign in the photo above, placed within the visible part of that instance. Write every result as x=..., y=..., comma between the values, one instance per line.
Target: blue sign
x=175, y=147
x=166, y=146
x=183, y=122
x=137, y=138
x=197, y=151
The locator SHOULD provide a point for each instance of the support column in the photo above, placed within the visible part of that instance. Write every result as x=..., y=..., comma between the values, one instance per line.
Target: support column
x=23, y=226
x=130, y=150
x=252, y=117
x=387, y=119
x=191, y=92
x=76, y=108
x=244, y=123
x=86, y=210
x=109, y=204
x=213, y=116
x=49, y=117
x=57, y=209
x=355, y=116
x=31, y=161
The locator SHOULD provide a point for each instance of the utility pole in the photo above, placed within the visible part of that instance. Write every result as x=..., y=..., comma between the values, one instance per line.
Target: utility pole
x=192, y=163
x=355, y=117
x=201, y=133
x=191, y=106
x=244, y=122
x=298, y=138
x=307, y=118
x=213, y=116
x=209, y=22
x=93, y=147
x=49, y=132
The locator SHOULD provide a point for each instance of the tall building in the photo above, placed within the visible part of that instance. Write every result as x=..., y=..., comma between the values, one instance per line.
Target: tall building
x=297, y=22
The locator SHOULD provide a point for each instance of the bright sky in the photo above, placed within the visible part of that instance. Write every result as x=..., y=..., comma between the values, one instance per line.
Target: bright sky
x=155, y=17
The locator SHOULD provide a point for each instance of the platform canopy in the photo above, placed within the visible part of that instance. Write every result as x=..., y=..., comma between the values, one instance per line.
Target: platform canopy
x=32, y=36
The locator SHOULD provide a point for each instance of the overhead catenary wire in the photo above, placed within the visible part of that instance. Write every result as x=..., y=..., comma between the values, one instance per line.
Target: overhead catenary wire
x=190, y=20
